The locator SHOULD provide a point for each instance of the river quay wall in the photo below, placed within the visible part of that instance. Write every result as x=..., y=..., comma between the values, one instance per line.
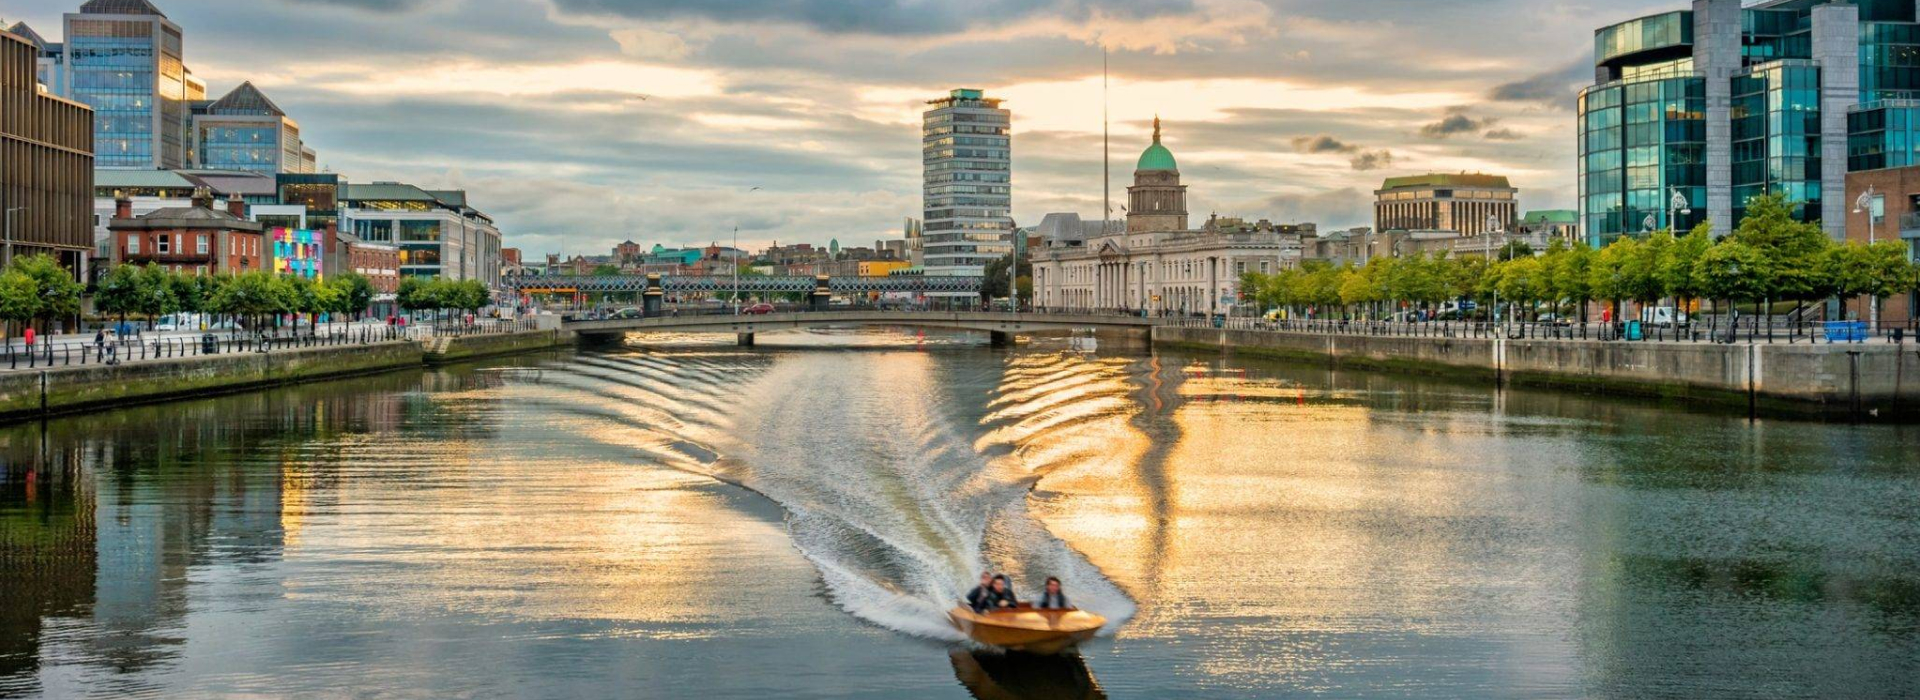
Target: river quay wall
x=440, y=351
x=75, y=389
x=1870, y=379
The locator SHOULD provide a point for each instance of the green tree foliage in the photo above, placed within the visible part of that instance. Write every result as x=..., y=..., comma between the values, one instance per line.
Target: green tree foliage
x=252, y=295
x=1000, y=275
x=154, y=296
x=1772, y=256
x=412, y=294
x=59, y=293
x=118, y=293
x=1795, y=250
x=355, y=293
x=19, y=298
x=1734, y=271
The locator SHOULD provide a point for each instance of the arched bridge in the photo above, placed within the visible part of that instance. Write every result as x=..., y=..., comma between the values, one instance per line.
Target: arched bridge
x=1001, y=325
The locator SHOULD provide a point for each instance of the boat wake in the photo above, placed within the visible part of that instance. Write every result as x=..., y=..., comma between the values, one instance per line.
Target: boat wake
x=900, y=483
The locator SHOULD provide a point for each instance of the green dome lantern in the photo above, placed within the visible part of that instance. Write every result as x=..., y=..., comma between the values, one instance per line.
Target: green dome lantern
x=1157, y=157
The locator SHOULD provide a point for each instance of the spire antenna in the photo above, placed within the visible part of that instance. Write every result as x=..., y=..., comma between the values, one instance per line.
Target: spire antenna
x=1156, y=128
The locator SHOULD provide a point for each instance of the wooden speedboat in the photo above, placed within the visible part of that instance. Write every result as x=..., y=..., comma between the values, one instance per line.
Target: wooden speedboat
x=1028, y=629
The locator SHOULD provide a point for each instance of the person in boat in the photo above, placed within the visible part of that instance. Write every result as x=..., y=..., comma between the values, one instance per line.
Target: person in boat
x=1054, y=599
x=977, y=598
x=1000, y=595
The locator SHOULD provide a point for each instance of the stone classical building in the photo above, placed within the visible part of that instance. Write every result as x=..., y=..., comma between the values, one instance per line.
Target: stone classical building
x=1156, y=264
x=1458, y=203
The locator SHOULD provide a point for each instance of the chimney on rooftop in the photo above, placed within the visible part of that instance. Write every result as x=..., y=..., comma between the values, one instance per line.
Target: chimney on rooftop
x=122, y=205
x=202, y=198
x=237, y=207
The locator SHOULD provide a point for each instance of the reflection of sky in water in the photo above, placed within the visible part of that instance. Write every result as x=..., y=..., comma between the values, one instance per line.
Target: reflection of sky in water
x=564, y=526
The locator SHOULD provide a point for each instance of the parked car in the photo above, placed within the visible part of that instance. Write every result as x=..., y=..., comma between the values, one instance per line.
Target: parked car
x=627, y=314
x=760, y=309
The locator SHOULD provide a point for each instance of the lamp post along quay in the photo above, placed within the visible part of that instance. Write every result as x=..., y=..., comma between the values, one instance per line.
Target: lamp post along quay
x=1873, y=205
x=1677, y=206
x=1493, y=227
x=9, y=233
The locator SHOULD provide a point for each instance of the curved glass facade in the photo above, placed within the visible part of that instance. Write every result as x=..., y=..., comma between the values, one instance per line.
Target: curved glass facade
x=1639, y=143
x=1664, y=31
x=1644, y=129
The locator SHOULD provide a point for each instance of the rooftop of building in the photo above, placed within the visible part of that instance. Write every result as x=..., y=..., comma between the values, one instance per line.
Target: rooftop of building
x=1448, y=180
x=20, y=29
x=222, y=182
x=1157, y=157
x=245, y=100
x=960, y=95
x=200, y=215
x=120, y=7
x=1551, y=216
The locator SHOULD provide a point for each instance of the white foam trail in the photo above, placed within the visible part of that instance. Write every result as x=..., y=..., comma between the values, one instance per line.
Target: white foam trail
x=874, y=457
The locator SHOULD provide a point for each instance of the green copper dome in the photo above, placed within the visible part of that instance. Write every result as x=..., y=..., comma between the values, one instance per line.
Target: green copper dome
x=1157, y=157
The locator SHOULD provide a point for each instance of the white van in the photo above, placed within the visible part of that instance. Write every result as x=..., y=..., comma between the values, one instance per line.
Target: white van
x=1665, y=317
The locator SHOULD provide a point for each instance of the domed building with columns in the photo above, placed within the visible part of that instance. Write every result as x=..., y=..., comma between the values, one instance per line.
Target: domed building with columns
x=1156, y=264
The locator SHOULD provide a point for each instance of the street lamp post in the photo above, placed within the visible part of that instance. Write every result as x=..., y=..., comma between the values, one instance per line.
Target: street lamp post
x=1493, y=227
x=9, y=249
x=1677, y=206
x=736, y=271
x=1865, y=205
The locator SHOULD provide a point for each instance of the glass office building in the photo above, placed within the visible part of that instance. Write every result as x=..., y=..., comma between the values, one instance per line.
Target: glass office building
x=246, y=131
x=123, y=58
x=1787, y=116
x=1884, y=135
x=968, y=184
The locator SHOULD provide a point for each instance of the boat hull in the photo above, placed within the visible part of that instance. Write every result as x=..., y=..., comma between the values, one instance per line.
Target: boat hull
x=1027, y=629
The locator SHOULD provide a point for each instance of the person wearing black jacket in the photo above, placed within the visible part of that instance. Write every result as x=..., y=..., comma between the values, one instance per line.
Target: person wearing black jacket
x=1000, y=595
x=1054, y=599
x=977, y=598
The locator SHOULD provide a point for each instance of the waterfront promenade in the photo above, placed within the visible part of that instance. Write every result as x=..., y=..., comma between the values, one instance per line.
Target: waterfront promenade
x=1754, y=367
x=85, y=377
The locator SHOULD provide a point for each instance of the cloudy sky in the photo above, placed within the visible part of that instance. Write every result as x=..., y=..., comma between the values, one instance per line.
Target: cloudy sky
x=580, y=123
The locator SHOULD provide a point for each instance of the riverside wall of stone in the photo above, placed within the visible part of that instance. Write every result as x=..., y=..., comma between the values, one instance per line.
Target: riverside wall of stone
x=1868, y=379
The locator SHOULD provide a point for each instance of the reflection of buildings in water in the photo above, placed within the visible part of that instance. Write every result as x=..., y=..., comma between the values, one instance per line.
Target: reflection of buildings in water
x=1016, y=676
x=106, y=520
x=46, y=556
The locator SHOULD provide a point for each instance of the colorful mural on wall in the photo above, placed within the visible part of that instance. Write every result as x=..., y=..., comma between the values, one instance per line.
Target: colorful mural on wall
x=298, y=252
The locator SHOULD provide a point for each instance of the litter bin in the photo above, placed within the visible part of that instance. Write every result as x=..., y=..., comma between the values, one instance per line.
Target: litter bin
x=1633, y=331
x=209, y=345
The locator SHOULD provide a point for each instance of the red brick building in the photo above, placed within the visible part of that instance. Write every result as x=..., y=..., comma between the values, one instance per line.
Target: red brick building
x=196, y=239
x=1895, y=215
x=380, y=264
x=628, y=253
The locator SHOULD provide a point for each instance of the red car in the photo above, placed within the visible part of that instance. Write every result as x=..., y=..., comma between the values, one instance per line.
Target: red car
x=760, y=309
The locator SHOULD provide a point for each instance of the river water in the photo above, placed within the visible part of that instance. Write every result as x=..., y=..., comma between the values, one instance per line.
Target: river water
x=681, y=517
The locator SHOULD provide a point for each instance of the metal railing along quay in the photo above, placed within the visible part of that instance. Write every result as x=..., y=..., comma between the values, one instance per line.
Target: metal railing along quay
x=43, y=355
x=1748, y=329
